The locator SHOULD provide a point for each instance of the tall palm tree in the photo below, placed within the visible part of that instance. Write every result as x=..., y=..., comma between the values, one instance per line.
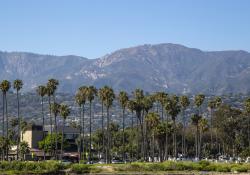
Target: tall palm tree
x=173, y=108
x=152, y=121
x=148, y=102
x=18, y=84
x=55, y=108
x=80, y=99
x=123, y=100
x=184, y=101
x=91, y=92
x=108, y=101
x=138, y=99
x=5, y=86
x=101, y=95
x=64, y=112
x=195, y=120
x=131, y=107
x=41, y=91
x=51, y=88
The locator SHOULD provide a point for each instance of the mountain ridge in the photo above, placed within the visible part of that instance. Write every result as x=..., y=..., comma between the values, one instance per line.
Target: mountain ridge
x=153, y=67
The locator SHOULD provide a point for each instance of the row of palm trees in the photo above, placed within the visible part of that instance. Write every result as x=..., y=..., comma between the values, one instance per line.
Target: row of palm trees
x=148, y=121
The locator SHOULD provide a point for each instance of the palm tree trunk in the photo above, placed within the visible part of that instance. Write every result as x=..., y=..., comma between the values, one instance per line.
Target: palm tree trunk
x=108, y=136
x=62, y=139
x=7, y=126
x=18, y=116
x=166, y=140
x=174, y=140
x=153, y=148
x=3, y=129
x=56, y=146
x=123, y=136
x=3, y=124
x=51, y=139
x=131, y=141
x=103, y=141
x=44, y=157
x=80, y=134
x=82, y=139
x=90, y=131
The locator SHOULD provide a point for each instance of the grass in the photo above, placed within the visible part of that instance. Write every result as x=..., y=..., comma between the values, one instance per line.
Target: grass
x=53, y=167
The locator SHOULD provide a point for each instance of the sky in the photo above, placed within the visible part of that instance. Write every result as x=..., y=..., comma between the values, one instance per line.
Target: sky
x=93, y=28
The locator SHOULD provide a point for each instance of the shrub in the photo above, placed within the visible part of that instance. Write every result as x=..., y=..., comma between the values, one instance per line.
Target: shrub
x=239, y=168
x=80, y=168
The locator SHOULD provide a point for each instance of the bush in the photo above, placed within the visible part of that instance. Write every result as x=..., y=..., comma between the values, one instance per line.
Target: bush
x=239, y=168
x=36, y=167
x=223, y=168
x=80, y=168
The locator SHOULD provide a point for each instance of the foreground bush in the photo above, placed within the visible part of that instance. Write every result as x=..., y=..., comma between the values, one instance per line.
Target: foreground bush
x=183, y=166
x=31, y=167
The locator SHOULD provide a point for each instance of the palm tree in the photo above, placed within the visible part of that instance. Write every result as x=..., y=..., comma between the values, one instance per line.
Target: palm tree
x=131, y=107
x=41, y=91
x=198, y=101
x=161, y=98
x=80, y=99
x=55, y=108
x=51, y=88
x=184, y=101
x=247, y=110
x=138, y=99
x=211, y=106
x=18, y=86
x=195, y=120
x=108, y=101
x=101, y=95
x=152, y=121
x=203, y=126
x=91, y=92
x=173, y=108
x=5, y=86
x=123, y=99
x=148, y=102
x=64, y=112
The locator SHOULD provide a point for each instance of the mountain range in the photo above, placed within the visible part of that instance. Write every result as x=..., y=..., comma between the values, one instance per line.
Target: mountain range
x=169, y=67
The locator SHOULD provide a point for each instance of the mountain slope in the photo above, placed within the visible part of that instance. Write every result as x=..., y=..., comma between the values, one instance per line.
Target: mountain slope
x=170, y=67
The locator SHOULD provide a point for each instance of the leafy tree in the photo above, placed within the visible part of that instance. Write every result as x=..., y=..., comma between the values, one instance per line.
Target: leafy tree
x=24, y=149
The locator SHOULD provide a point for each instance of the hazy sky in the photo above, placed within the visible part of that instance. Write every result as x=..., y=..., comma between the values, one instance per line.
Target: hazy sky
x=92, y=28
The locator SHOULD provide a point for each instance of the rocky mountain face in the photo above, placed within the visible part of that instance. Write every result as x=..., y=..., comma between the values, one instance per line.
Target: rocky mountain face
x=168, y=67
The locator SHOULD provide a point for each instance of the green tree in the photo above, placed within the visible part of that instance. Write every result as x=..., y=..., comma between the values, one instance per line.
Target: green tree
x=152, y=121
x=55, y=108
x=195, y=121
x=108, y=101
x=101, y=95
x=123, y=100
x=64, y=111
x=42, y=91
x=80, y=99
x=91, y=92
x=161, y=98
x=18, y=84
x=24, y=149
x=184, y=102
x=173, y=109
x=5, y=86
